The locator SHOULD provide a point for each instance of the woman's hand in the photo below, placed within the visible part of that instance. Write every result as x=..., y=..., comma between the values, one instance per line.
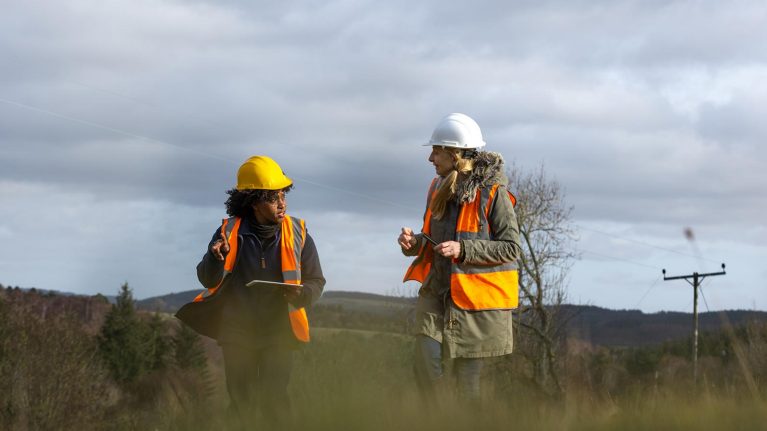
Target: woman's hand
x=449, y=249
x=292, y=293
x=406, y=239
x=220, y=248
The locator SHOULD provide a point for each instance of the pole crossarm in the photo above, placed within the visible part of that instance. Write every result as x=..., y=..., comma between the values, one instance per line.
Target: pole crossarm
x=687, y=277
x=722, y=272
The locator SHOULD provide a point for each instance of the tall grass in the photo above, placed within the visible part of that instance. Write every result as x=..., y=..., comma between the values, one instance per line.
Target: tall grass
x=363, y=381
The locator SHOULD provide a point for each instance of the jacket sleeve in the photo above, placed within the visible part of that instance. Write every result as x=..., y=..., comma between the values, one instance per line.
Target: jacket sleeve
x=505, y=247
x=311, y=275
x=210, y=270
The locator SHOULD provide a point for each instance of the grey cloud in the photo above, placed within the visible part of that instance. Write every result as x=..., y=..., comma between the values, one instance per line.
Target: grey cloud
x=739, y=122
x=646, y=112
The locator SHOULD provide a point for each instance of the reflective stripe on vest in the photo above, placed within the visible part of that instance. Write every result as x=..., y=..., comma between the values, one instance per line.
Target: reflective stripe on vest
x=291, y=244
x=292, y=241
x=472, y=287
x=421, y=266
x=229, y=229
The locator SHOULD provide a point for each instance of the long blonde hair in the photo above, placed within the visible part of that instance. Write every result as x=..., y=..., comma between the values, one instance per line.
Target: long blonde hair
x=447, y=186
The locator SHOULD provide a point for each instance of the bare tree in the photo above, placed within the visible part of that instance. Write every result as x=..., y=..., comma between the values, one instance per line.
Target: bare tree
x=546, y=235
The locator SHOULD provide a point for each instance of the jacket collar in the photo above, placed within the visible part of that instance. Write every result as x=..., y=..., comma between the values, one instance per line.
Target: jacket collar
x=249, y=226
x=488, y=170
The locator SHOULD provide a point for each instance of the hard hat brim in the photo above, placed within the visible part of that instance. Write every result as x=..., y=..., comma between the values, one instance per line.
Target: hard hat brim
x=273, y=185
x=451, y=145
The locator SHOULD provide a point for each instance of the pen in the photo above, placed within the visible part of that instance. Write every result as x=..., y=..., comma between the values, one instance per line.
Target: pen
x=428, y=238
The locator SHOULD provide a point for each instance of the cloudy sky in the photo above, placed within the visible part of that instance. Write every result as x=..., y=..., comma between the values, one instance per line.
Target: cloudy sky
x=122, y=123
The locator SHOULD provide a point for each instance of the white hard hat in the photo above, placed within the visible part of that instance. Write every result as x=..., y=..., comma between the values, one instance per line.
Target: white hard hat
x=457, y=131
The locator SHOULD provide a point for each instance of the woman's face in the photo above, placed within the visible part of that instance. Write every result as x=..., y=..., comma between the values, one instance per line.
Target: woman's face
x=273, y=211
x=442, y=160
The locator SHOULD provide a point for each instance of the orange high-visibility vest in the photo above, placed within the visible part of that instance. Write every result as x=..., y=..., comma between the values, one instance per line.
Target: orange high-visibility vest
x=472, y=287
x=291, y=244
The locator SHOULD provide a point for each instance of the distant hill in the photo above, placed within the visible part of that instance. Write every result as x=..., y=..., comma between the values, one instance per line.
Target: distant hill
x=167, y=303
x=605, y=327
x=594, y=325
x=357, y=310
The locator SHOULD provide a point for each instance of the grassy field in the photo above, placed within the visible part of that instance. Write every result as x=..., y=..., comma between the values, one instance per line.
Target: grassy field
x=362, y=380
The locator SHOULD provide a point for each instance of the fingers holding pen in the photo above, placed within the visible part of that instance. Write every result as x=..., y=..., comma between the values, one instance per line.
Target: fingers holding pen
x=449, y=249
x=406, y=238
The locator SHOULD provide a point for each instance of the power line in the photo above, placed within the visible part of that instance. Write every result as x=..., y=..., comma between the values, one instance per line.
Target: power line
x=657, y=280
x=361, y=195
x=202, y=153
x=643, y=243
x=111, y=129
x=617, y=258
x=142, y=103
x=704, y=300
x=703, y=295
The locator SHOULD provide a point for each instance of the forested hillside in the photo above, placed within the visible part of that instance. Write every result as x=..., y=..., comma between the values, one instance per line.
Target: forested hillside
x=593, y=325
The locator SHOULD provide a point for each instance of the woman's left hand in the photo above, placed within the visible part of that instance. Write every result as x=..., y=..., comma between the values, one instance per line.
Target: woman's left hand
x=449, y=249
x=292, y=293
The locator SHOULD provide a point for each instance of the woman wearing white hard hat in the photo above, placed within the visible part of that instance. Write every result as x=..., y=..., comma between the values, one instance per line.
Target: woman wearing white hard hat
x=465, y=260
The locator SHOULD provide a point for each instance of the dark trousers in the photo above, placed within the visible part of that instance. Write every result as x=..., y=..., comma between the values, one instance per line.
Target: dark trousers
x=258, y=379
x=430, y=366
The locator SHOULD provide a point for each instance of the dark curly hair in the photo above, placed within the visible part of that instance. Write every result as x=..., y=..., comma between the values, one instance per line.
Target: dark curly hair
x=240, y=202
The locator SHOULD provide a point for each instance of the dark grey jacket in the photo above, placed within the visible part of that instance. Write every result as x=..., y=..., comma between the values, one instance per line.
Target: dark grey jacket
x=243, y=315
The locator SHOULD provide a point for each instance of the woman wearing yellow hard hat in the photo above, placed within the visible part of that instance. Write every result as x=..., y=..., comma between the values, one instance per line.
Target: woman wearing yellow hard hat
x=260, y=271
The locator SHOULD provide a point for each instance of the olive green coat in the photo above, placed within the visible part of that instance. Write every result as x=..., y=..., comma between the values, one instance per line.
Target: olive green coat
x=468, y=333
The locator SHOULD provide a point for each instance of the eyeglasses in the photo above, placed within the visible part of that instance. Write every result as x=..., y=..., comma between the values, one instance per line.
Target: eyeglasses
x=275, y=195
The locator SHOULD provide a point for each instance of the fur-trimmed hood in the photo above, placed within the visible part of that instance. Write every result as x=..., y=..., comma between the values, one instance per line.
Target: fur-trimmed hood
x=488, y=170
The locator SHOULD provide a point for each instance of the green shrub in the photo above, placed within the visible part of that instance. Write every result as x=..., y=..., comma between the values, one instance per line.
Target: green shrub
x=50, y=374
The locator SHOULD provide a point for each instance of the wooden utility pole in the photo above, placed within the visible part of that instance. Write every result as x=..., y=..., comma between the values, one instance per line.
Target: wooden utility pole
x=696, y=280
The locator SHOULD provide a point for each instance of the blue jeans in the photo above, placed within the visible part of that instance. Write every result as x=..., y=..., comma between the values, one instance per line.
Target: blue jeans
x=429, y=369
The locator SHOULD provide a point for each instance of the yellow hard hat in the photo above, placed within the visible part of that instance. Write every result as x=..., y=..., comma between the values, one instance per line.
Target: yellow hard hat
x=261, y=172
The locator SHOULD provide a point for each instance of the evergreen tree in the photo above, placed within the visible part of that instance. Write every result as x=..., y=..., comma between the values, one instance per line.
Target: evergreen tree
x=120, y=339
x=157, y=343
x=188, y=350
